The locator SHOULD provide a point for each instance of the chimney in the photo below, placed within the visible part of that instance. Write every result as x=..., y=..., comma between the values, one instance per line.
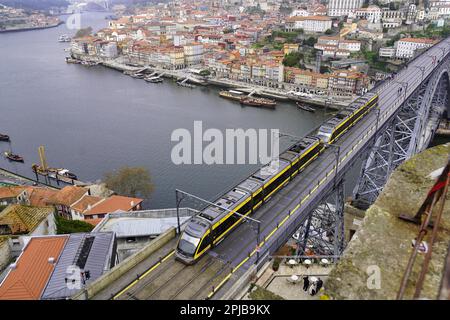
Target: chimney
x=132, y=204
x=51, y=260
x=13, y=266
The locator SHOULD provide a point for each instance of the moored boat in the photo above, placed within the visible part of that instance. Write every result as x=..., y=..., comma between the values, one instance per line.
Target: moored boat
x=13, y=157
x=186, y=85
x=4, y=137
x=154, y=79
x=259, y=102
x=66, y=173
x=305, y=107
x=232, y=95
x=137, y=75
x=64, y=38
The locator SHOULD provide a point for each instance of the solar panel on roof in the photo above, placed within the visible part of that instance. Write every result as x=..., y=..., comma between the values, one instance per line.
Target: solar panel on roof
x=84, y=252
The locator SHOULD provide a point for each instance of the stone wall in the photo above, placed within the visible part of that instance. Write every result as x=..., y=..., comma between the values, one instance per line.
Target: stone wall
x=5, y=254
x=126, y=265
x=375, y=259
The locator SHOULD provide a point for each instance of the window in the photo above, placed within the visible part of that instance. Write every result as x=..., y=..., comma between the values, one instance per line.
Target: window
x=188, y=244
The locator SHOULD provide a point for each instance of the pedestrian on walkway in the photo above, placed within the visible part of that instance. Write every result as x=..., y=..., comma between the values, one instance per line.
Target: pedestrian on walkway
x=319, y=284
x=305, y=283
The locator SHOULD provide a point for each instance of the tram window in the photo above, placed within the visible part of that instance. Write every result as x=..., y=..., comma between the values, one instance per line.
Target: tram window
x=257, y=198
x=205, y=242
x=246, y=207
x=225, y=225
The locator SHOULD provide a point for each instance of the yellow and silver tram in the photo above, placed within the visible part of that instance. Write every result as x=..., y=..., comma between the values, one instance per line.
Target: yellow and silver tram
x=208, y=228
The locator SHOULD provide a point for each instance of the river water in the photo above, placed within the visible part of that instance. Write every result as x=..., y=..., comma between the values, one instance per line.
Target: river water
x=94, y=120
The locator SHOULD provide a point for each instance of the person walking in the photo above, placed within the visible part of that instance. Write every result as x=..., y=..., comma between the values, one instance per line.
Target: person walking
x=319, y=284
x=305, y=283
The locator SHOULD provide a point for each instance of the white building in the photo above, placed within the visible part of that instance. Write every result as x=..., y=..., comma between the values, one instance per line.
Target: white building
x=299, y=13
x=193, y=53
x=350, y=45
x=406, y=47
x=309, y=23
x=372, y=14
x=109, y=50
x=338, y=8
x=387, y=52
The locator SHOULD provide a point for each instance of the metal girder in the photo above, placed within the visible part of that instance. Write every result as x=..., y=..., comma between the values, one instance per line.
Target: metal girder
x=322, y=233
x=408, y=132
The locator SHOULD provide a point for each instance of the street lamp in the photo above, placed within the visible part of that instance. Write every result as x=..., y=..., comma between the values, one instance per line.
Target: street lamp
x=443, y=50
x=422, y=68
x=258, y=236
x=433, y=57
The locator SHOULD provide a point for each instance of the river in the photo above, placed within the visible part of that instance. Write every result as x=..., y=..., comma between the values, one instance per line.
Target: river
x=94, y=120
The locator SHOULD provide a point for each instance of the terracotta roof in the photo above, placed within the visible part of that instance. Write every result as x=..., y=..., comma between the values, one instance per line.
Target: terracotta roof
x=94, y=222
x=318, y=18
x=419, y=40
x=23, y=219
x=67, y=195
x=11, y=192
x=86, y=202
x=39, y=196
x=114, y=203
x=28, y=280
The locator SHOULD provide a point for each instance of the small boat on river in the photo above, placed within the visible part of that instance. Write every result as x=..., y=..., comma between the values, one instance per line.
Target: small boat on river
x=305, y=107
x=13, y=157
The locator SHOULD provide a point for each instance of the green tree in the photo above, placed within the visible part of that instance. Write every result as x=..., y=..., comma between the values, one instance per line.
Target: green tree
x=328, y=32
x=64, y=226
x=130, y=181
x=310, y=41
x=83, y=32
x=293, y=59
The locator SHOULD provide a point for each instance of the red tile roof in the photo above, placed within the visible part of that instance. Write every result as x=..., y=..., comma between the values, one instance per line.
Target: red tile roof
x=85, y=203
x=28, y=280
x=11, y=192
x=114, y=203
x=67, y=195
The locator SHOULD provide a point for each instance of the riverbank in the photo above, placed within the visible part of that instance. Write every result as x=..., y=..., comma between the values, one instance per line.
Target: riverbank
x=93, y=120
x=32, y=28
x=273, y=93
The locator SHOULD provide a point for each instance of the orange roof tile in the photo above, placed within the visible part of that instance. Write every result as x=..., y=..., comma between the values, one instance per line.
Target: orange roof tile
x=114, y=203
x=419, y=40
x=12, y=191
x=94, y=222
x=300, y=18
x=67, y=195
x=86, y=202
x=28, y=280
x=39, y=196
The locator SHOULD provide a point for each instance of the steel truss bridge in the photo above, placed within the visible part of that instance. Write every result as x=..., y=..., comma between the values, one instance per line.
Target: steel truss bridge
x=411, y=104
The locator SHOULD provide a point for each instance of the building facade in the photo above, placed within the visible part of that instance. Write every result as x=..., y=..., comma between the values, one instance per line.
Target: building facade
x=338, y=8
x=407, y=47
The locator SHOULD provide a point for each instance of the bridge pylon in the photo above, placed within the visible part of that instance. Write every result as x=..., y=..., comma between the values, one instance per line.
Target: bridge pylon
x=322, y=233
x=408, y=131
